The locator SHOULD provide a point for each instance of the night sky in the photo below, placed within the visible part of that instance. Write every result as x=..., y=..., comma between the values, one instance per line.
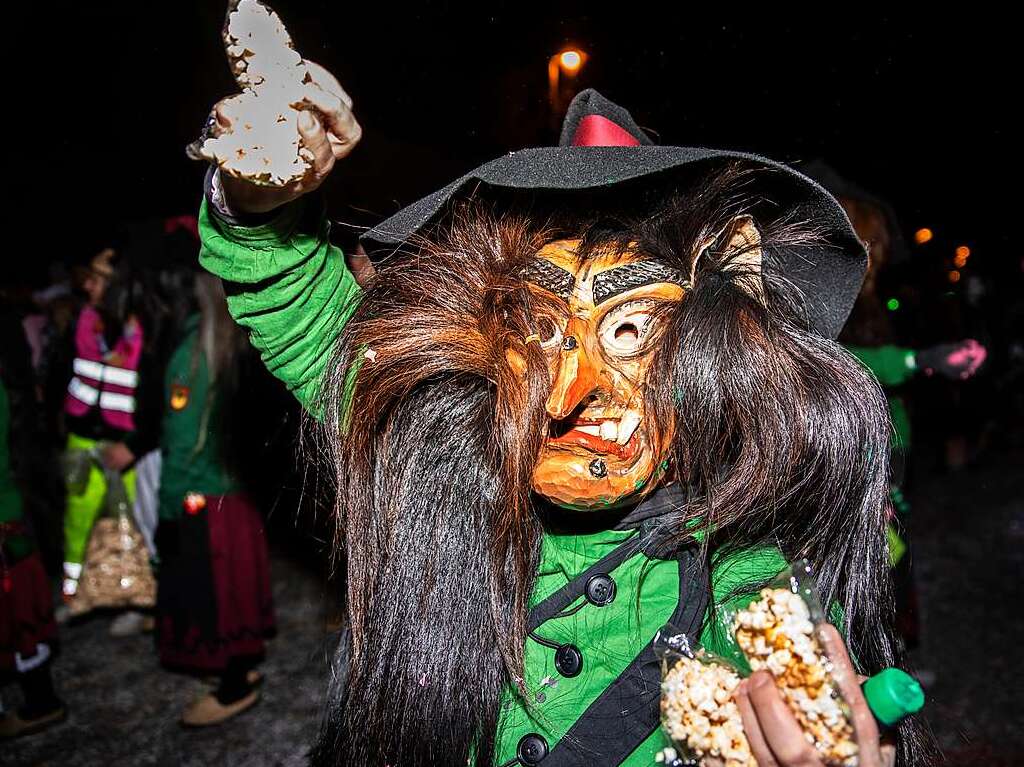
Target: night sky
x=914, y=109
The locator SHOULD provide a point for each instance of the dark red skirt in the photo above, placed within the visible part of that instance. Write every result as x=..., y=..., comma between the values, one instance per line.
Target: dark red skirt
x=26, y=609
x=214, y=600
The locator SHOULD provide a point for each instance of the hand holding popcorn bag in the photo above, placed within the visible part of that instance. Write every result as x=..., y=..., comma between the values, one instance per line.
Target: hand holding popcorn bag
x=778, y=632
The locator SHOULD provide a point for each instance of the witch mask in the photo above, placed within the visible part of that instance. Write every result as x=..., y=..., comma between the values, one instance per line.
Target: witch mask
x=599, y=321
x=598, y=324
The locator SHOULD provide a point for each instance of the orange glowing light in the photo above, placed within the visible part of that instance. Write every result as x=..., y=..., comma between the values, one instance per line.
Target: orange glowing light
x=571, y=61
x=954, y=276
x=921, y=236
x=960, y=261
x=963, y=252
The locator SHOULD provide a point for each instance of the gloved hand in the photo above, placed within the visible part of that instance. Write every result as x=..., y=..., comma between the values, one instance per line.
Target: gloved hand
x=958, y=360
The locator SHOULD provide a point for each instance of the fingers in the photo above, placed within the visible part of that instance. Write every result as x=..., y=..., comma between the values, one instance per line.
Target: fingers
x=846, y=678
x=751, y=728
x=780, y=729
x=972, y=356
x=314, y=138
x=343, y=130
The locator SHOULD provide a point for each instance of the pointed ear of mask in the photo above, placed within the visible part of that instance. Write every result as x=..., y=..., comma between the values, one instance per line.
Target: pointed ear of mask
x=737, y=246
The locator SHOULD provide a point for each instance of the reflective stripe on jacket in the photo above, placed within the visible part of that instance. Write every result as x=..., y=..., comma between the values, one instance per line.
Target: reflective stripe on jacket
x=104, y=378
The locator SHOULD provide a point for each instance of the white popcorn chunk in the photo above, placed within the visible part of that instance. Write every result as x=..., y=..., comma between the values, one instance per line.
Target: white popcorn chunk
x=263, y=144
x=698, y=710
x=776, y=634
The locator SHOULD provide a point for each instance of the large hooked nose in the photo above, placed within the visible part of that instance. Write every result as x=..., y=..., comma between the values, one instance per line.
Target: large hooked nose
x=577, y=373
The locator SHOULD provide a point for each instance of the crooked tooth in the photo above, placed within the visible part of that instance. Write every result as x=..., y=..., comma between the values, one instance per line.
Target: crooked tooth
x=627, y=425
x=590, y=428
x=609, y=430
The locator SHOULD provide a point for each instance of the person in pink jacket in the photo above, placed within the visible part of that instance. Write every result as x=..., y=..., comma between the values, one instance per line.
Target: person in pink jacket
x=99, y=406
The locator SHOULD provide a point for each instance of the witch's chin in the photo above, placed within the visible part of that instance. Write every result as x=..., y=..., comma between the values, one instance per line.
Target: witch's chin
x=571, y=484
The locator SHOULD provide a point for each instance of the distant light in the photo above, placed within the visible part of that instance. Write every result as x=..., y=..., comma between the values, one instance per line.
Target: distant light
x=571, y=61
x=921, y=236
x=954, y=276
x=963, y=252
x=893, y=304
x=960, y=261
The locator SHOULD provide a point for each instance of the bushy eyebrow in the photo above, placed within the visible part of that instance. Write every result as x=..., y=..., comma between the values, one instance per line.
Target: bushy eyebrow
x=552, y=278
x=619, y=279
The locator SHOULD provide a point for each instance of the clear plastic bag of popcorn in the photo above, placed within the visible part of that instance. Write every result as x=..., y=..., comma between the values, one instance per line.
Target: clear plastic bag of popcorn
x=778, y=633
x=698, y=711
x=116, y=572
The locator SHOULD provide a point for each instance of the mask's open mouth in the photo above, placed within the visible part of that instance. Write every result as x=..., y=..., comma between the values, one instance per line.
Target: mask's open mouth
x=600, y=435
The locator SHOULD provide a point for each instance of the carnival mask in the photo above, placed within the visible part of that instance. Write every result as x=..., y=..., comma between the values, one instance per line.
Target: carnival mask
x=598, y=325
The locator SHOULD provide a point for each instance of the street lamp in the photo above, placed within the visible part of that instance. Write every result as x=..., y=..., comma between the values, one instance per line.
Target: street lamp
x=567, y=62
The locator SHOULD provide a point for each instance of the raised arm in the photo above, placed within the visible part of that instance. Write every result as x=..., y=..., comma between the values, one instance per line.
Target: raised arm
x=285, y=282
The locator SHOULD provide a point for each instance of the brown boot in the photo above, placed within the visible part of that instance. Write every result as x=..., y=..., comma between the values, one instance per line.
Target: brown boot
x=208, y=711
x=13, y=725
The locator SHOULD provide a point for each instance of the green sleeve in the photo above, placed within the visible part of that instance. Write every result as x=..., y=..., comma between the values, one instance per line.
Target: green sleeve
x=288, y=285
x=892, y=365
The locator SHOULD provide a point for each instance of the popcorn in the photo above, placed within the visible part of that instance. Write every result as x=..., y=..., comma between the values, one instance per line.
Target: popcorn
x=698, y=711
x=776, y=634
x=263, y=144
x=116, y=571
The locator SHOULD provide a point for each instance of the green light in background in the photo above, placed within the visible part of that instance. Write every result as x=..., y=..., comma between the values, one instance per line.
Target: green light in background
x=893, y=304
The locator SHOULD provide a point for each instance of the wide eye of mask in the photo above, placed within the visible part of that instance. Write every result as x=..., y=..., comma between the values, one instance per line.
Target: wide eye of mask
x=626, y=330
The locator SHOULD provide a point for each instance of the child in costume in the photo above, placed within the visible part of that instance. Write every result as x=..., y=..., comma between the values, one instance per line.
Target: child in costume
x=590, y=390
x=214, y=605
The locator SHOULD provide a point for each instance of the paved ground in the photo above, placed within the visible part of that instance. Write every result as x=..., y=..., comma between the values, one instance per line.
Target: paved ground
x=969, y=533
x=970, y=553
x=134, y=720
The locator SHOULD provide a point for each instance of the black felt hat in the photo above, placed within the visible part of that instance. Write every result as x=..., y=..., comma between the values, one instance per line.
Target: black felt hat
x=602, y=146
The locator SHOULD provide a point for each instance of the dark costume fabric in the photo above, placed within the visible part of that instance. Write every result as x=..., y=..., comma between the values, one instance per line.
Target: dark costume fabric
x=26, y=605
x=26, y=610
x=214, y=600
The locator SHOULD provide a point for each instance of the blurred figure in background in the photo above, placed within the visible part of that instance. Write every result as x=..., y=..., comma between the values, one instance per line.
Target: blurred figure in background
x=28, y=632
x=100, y=401
x=869, y=336
x=214, y=606
x=165, y=249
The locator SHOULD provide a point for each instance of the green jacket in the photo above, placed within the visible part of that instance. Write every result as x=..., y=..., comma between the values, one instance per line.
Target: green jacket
x=190, y=464
x=291, y=289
